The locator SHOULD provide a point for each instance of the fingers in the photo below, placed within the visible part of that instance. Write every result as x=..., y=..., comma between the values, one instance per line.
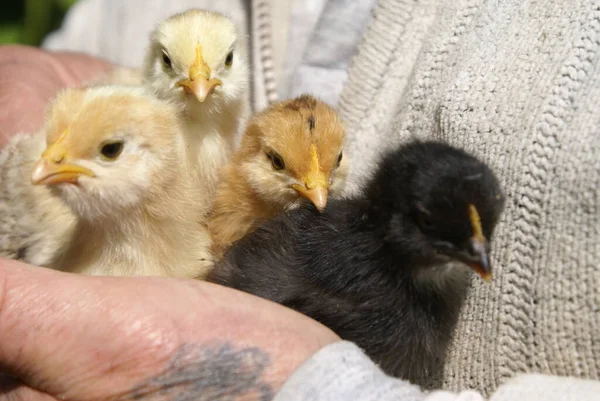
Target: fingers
x=29, y=77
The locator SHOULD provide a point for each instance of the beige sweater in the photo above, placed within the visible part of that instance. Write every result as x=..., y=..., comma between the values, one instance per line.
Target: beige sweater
x=517, y=82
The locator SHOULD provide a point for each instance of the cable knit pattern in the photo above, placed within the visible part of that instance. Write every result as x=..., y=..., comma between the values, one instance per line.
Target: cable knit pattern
x=516, y=83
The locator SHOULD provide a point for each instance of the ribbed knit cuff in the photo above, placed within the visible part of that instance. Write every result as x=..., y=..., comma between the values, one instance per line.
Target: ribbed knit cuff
x=342, y=372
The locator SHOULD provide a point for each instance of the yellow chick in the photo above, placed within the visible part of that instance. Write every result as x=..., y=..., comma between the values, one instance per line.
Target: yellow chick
x=35, y=226
x=290, y=153
x=197, y=59
x=116, y=156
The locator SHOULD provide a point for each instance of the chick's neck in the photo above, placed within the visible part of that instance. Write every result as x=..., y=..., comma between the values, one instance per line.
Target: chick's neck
x=216, y=114
x=147, y=237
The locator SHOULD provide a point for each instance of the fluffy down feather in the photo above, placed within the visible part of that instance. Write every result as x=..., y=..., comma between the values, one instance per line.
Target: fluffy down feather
x=34, y=225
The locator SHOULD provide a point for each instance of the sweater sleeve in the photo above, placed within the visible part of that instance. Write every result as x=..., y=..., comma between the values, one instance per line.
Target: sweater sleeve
x=342, y=371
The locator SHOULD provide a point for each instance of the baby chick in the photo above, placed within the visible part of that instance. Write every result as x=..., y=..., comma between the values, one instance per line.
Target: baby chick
x=197, y=59
x=290, y=152
x=116, y=157
x=35, y=226
x=385, y=270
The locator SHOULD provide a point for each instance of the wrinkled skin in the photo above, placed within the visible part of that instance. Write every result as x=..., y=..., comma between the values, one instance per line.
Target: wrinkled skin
x=73, y=337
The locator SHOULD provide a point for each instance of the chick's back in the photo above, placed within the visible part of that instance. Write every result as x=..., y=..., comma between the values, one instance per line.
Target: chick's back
x=329, y=267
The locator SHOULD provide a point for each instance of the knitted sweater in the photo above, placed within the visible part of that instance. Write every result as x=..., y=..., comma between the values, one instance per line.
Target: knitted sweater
x=516, y=82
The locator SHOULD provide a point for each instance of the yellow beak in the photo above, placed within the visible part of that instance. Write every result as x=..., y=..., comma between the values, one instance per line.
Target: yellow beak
x=199, y=82
x=317, y=195
x=316, y=183
x=51, y=168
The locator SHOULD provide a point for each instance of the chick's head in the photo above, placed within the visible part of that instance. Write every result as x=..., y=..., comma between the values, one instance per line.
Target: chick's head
x=197, y=59
x=108, y=149
x=442, y=204
x=293, y=151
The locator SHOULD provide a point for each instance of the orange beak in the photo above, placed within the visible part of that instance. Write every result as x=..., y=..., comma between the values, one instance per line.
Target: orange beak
x=199, y=82
x=317, y=195
x=316, y=183
x=51, y=169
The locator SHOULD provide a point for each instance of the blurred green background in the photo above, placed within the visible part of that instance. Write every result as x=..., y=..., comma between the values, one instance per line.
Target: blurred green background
x=29, y=21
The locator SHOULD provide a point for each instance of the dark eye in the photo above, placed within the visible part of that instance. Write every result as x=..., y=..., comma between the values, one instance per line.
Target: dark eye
x=425, y=222
x=276, y=160
x=229, y=59
x=111, y=150
x=339, y=160
x=166, y=60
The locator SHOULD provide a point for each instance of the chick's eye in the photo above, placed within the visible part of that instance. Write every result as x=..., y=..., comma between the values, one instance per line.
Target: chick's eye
x=339, y=159
x=166, y=60
x=425, y=222
x=111, y=150
x=229, y=60
x=276, y=161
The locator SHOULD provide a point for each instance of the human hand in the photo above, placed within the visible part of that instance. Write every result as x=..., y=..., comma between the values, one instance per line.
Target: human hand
x=29, y=77
x=74, y=337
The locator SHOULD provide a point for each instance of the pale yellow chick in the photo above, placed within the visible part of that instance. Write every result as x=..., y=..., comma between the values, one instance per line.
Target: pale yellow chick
x=35, y=226
x=197, y=59
x=291, y=153
x=116, y=157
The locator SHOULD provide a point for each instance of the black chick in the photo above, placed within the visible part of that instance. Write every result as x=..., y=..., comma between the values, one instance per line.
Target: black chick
x=379, y=270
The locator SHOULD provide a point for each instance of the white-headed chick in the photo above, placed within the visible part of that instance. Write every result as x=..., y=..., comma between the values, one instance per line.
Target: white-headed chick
x=290, y=153
x=198, y=60
x=116, y=156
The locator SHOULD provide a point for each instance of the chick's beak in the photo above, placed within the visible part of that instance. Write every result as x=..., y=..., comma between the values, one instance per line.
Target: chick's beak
x=476, y=256
x=316, y=183
x=476, y=252
x=199, y=82
x=51, y=168
x=317, y=194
